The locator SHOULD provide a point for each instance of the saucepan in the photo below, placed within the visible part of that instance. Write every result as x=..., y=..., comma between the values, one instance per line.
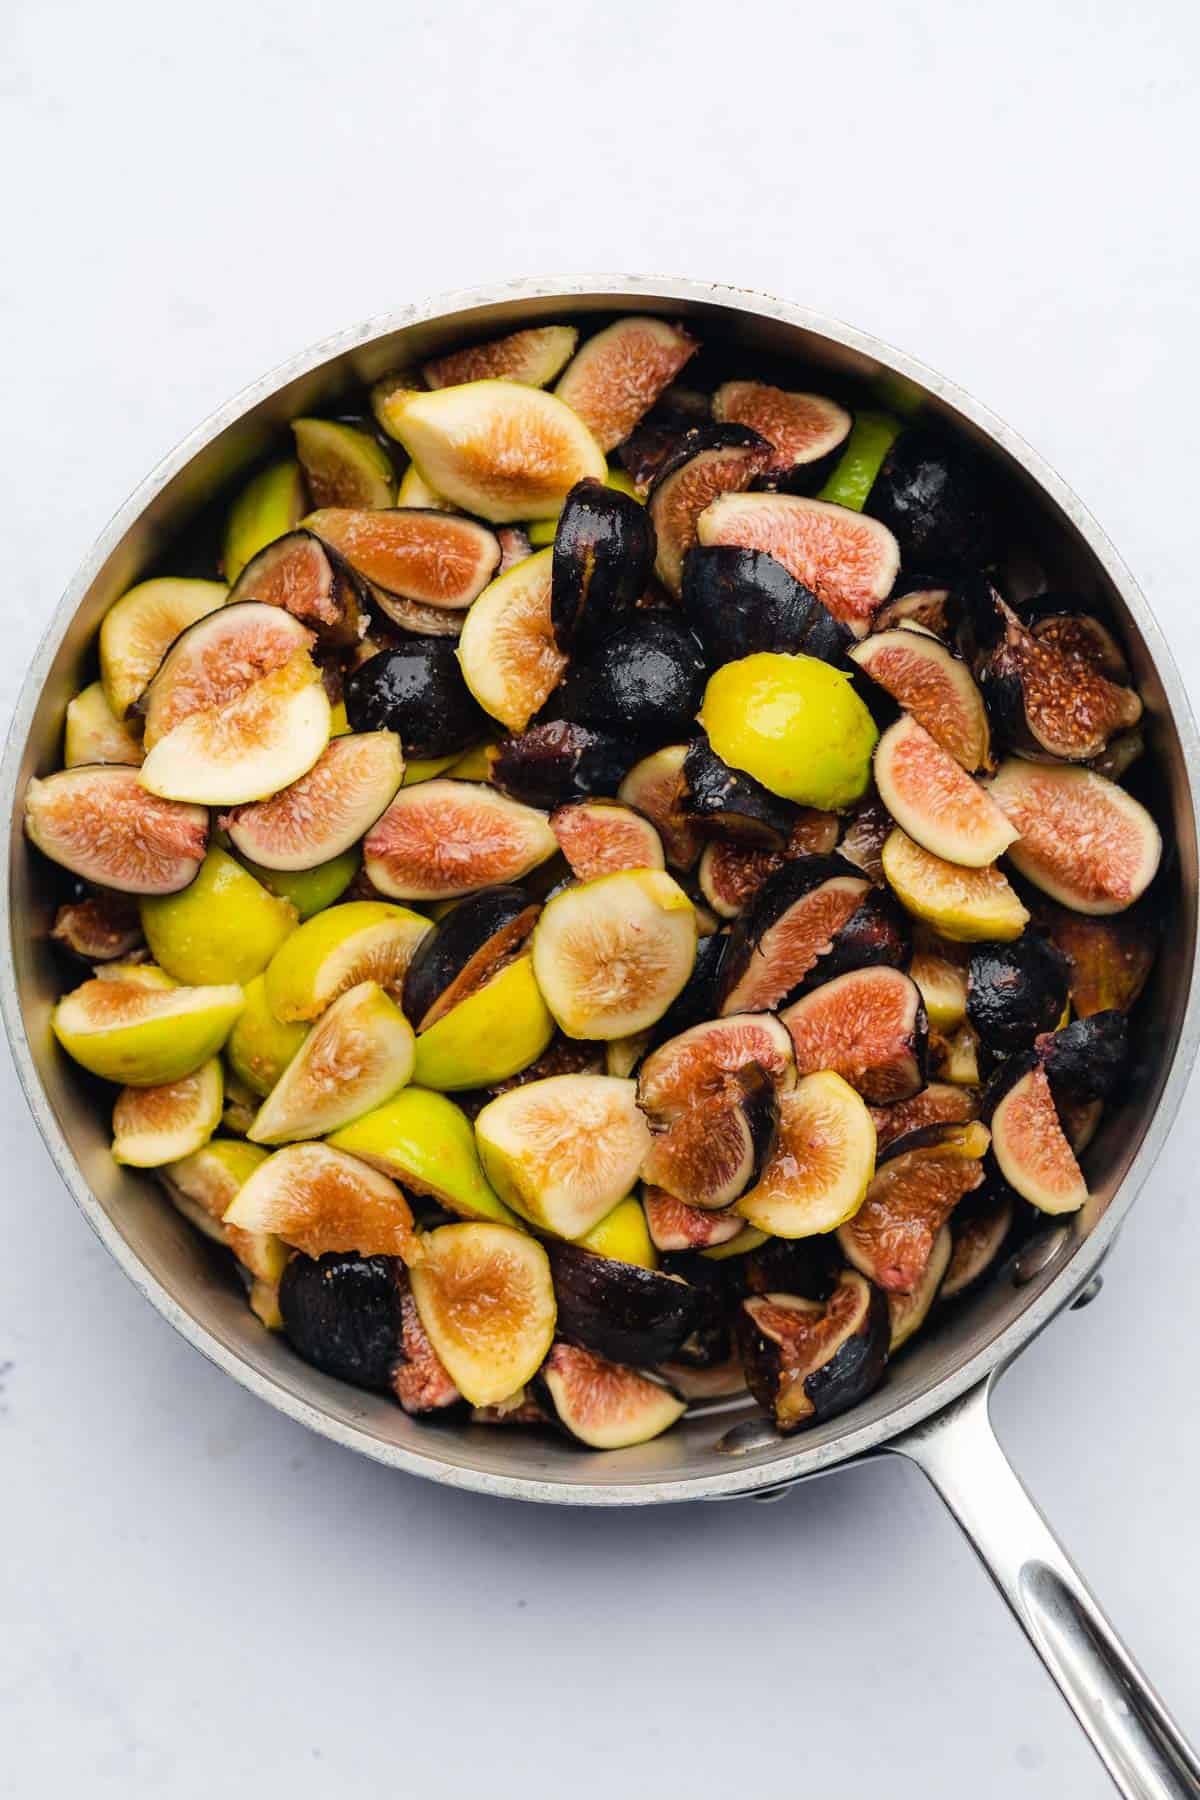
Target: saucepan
x=933, y=1407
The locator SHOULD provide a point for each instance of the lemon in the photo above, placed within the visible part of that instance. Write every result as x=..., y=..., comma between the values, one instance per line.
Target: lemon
x=225, y=926
x=623, y=1235
x=425, y=1141
x=795, y=724
x=144, y=1036
x=261, y=1046
x=361, y=940
x=493, y=1033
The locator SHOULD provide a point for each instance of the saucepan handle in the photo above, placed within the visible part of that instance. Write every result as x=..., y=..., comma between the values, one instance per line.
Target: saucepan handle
x=1133, y=1733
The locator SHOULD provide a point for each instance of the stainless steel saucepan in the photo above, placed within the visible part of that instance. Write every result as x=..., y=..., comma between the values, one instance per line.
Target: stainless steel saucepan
x=933, y=1407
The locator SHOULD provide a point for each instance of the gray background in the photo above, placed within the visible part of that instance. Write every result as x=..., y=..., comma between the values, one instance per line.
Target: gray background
x=195, y=1595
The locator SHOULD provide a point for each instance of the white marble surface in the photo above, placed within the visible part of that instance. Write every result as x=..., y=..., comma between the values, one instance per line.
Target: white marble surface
x=196, y=1596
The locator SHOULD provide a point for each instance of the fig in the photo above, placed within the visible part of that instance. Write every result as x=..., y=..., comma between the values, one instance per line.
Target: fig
x=980, y=1226
x=360, y=940
x=94, y=734
x=499, y=1028
x=496, y=448
x=821, y=1163
x=156, y=1125
x=144, y=1036
x=847, y=560
x=603, y=556
x=940, y=1103
x=436, y=558
x=99, y=928
x=1086, y=1060
x=792, y=923
x=965, y=905
x=485, y=1297
x=617, y=375
x=1109, y=958
x=351, y=783
x=645, y=681
x=803, y=430
x=556, y=762
x=425, y=1141
x=1030, y=1146
x=740, y=602
x=470, y=944
x=697, y=1000
x=416, y=690
x=623, y=1313
x=932, y=496
x=140, y=627
x=610, y=955
x=955, y=1058
x=1084, y=841
x=807, y=1266
x=507, y=650
x=943, y=986
x=908, y=1312
x=414, y=490
x=603, y=1404
x=934, y=687
x=731, y=874
x=623, y=1235
x=853, y=475
x=917, y=602
x=725, y=799
x=201, y=1187
x=102, y=825
x=795, y=724
x=917, y=1185
x=305, y=578
x=700, y=1063
x=713, y=1152
x=356, y=1056
x=710, y=460
x=534, y=356
x=446, y=838
x=808, y=1360
x=1015, y=991
x=420, y=1380
x=935, y=801
x=317, y=1199
x=223, y=926
x=657, y=787
x=1081, y=635
x=1080, y=1120
x=240, y=1108
x=271, y=503
x=677, y=1226
x=869, y=1026
x=562, y=1151
x=342, y=1314
x=1119, y=755
x=343, y=465
x=601, y=837
x=863, y=839
x=260, y=1046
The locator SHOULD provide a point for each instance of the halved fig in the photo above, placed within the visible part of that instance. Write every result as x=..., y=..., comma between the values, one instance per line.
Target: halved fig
x=157, y=1125
x=935, y=801
x=99, y=928
x=500, y=1028
x=101, y=824
x=980, y=1227
x=426, y=1142
x=676, y=1226
x=848, y=560
x=864, y=837
x=446, y=838
x=803, y=430
x=534, y=356
x=485, y=1297
x=217, y=661
x=700, y=1063
x=717, y=1149
x=868, y=1026
x=656, y=786
x=303, y=576
x=729, y=801
x=619, y=1311
x=556, y=762
x=351, y=783
x=434, y=557
x=610, y=955
x=697, y=1000
x=416, y=690
x=318, y=1199
x=791, y=924
x=964, y=905
x=731, y=873
x=821, y=1163
x=933, y=496
x=342, y=1314
x=1084, y=841
x=1078, y=634
x=934, y=686
x=711, y=460
x=507, y=649
x=562, y=1151
x=916, y=1187
x=1110, y=959
x=359, y=940
x=600, y=837
x=471, y=943
x=1029, y=1143
x=617, y=375
x=603, y=556
x=603, y=1404
x=908, y=1312
x=1015, y=991
x=496, y=448
x=917, y=602
x=140, y=627
x=94, y=734
x=940, y=1103
x=808, y=1360
x=356, y=1055
x=1086, y=1060
x=270, y=504
x=646, y=680
x=343, y=464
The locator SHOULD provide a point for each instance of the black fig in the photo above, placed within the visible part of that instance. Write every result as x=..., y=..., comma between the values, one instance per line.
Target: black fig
x=790, y=927
x=710, y=460
x=343, y=1315
x=808, y=1360
x=932, y=495
x=742, y=601
x=1015, y=991
x=645, y=682
x=603, y=557
x=418, y=691
x=917, y=1184
x=618, y=1310
x=469, y=945
x=555, y=762
x=728, y=801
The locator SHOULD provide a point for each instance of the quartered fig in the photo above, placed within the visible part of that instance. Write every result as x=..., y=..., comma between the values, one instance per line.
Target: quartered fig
x=725, y=799
x=352, y=782
x=980, y=1226
x=474, y=939
x=485, y=1297
x=416, y=690
x=1109, y=958
x=1084, y=841
x=916, y=1187
x=965, y=905
x=701, y=1063
x=1077, y=634
x=732, y=873
x=932, y=495
x=157, y=1125
x=140, y=627
x=740, y=602
x=657, y=787
x=917, y=601
x=616, y=1310
x=425, y=1141
x=908, y=1312
x=94, y=734
x=343, y=464
x=99, y=928
x=940, y=1103
x=101, y=824
x=556, y=762
x=534, y=356
x=676, y=1226
x=1087, y=1059
x=646, y=680
x=360, y=940
x=820, y=1164
x=447, y=838
x=1015, y=991
x=935, y=801
x=1028, y=1140
x=793, y=921
x=356, y=1056
x=496, y=1030
x=507, y=650
x=934, y=686
x=603, y=1404
x=803, y=430
x=603, y=557
x=144, y=1036
x=711, y=460
x=434, y=557
x=808, y=1360
x=271, y=503
x=713, y=1152
x=342, y=1314
x=849, y=561
x=223, y=925
x=600, y=837
x=869, y=1026
x=260, y=1046
x=318, y=1199
x=610, y=955
x=562, y=1151
x=617, y=375
x=308, y=580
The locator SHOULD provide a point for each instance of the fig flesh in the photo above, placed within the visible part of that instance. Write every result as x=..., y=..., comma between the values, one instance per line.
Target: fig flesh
x=1110, y=959
x=731, y=874
x=356, y=1056
x=1015, y=991
x=935, y=801
x=808, y=1360
x=720, y=798
x=157, y=1125
x=618, y=1311
x=485, y=1297
x=610, y=955
x=557, y=762
x=943, y=985
x=980, y=1227
x=305, y=578
x=847, y=560
x=102, y=825
x=940, y=1103
x=351, y=783
x=1081, y=635
x=711, y=460
x=471, y=943
x=318, y=1199
x=343, y=464
x=1030, y=1146
x=915, y=1189
x=820, y=1164
x=420, y=1380
x=700, y=1063
x=534, y=357
x=793, y=922
x=932, y=496
x=803, y=430
x=342, y=1314
x=99, y=928
x=603, y=556
x=917, y=603
x=507, y=650
x=562, y=1151
x=908, y=1312
x=617, y=375
x=868, y=1026
x=144, y=1036
x=603, y=1404
x=646, y=680
x=416, y=690
x=964, y=905
x=214, y=663
x=717, y=1149
x=434, y=557
x=140, y=627
x=1084, y=841
x=601, y=837
x=934, y=686
x=447, y=838
x=677, y=1226
x=657, y=787
x=94, y=734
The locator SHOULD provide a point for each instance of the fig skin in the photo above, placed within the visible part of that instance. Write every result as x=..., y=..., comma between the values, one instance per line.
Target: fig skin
x=559, y=761
x=464, y=948
x=873, y=931
x=311, y=581
x=342, y=1314
x=619, y=1311
x=726, y=800
x=646, y=680
x=715, y=1285
x=699, y=998
x=732, y=874
x=981, y=1226
x=1015, y=991
x=932, y=497
x=603, y=558
x=1040, y=1165
x=847, y=1375
x=1087, y=1059
x=710, y=460
x=418, y=691
x=877, y=934
x=808, y=1267
x=862, y=842
x=742, y=601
